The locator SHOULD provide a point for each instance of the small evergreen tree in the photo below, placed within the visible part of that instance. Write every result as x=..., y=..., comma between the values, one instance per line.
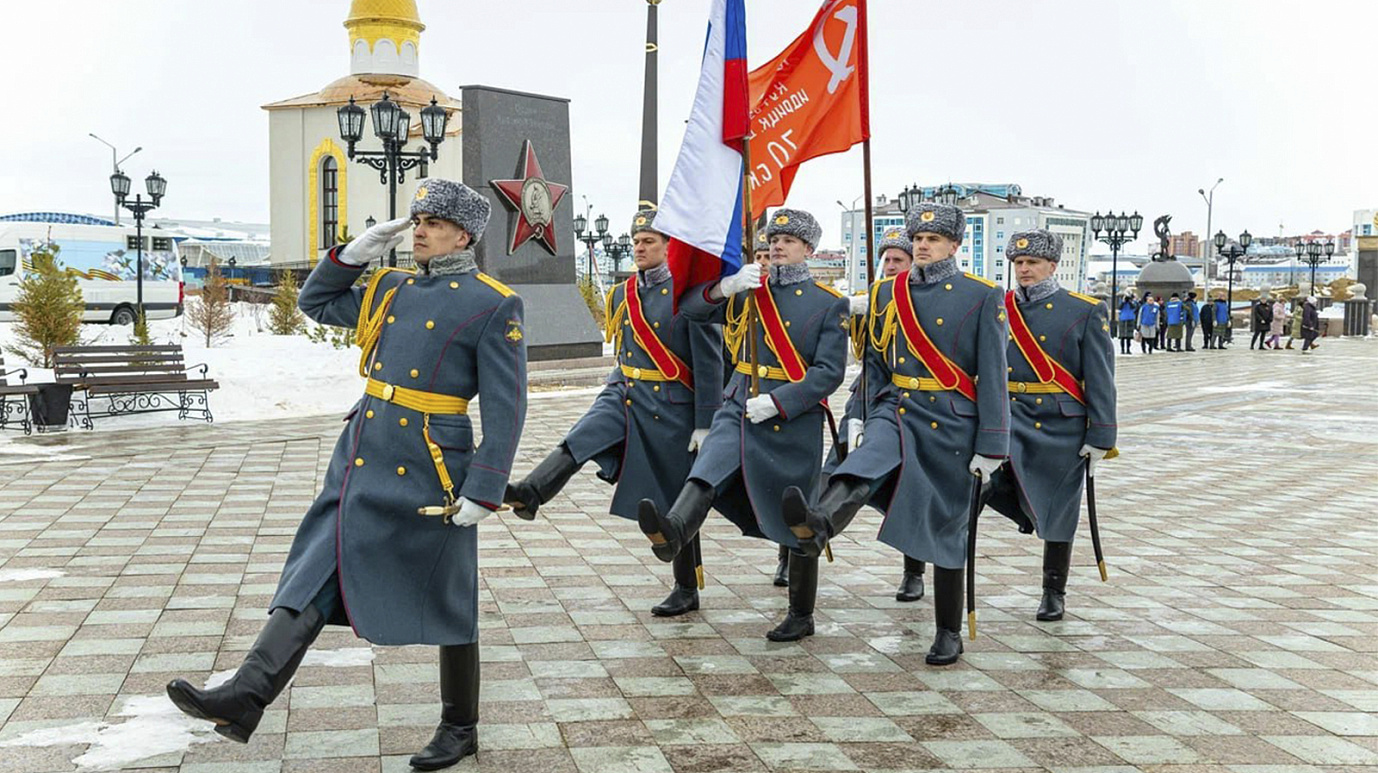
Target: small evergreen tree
x=212, y=314
x=140, y=336
x=47, y=309
x=285, y=319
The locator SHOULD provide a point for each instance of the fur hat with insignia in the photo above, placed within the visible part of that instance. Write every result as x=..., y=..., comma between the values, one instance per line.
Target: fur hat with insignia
x=797, y=223
x=1038, y=243
x=644, y=221
x=933, y=218
x=455, y=202
x=895, y=239
x=762, y=241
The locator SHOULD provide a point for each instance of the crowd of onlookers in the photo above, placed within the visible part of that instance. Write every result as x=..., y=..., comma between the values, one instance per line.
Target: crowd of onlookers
x=1166, y=324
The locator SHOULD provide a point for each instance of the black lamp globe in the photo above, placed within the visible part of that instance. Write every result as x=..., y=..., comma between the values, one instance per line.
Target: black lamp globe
x=1245, y=239
x=351, y=119
x=385, y=118
x=580, y=223
x=624, y=241
x=1329, y=249
x=1136, y=221
x=119, y=185
x=433, y=120
x=1097, y=223
x=601, y=224
x=156, y=185
x=1220, y=239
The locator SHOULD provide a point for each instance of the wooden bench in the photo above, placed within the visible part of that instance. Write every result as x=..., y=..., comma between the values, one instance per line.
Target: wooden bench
x=14, y=399
x=132, y=379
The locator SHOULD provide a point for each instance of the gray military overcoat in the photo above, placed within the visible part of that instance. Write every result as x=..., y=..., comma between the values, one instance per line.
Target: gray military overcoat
x=407, y=578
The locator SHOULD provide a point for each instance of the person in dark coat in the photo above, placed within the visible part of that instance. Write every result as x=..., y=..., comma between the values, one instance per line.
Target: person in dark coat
x=1310, y=325
x=1224, y=325
x=939, y=415
x=1062, y=406
x=1162, y=323
x=644, y=428
x=761, y=255
x=759, y=445
x=366, y=555
x=1208, y=323
x=1191, y=316
x=1260, y=318
x=896, y=257
x=1128, y=314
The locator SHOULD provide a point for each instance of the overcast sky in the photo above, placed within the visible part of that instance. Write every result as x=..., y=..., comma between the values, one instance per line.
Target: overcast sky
x=1131, y=104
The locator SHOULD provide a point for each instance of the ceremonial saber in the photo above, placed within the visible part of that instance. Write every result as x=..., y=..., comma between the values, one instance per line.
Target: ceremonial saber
x=971, y=556
x=1095, y=524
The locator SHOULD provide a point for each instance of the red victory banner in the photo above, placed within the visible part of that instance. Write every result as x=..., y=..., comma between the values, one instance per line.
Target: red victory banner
x=809, y=101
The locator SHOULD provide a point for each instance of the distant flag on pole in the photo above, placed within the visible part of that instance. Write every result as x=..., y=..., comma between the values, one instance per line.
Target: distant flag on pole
x=701, y=210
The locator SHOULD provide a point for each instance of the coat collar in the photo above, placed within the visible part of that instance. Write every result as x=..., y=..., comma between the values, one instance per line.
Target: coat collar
x=933, y=272
x=1037, y=292
x=653, y=276
x=790, y=274
x=461, y=262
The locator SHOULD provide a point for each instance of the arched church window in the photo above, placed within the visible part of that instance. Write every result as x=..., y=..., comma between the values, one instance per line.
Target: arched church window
x=330, y=202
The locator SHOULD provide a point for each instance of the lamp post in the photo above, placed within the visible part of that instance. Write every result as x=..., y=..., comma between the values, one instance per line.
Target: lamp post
x=617, y=249
x=1313, y=254
x=1206, y=259
x=590, y=237
x=909, y=197
x=1119, y=230
x=156, y=186
x=115, y=164
x=850, y=212
x=392, y=125
x=1232, y=253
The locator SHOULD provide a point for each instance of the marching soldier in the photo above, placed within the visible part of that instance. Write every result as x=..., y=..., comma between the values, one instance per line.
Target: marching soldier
x=364, y=555
x=761, y=444
x=761, y=254
x=655, y=409
x=896, y=257
x=935, y=371
x=1062, y=405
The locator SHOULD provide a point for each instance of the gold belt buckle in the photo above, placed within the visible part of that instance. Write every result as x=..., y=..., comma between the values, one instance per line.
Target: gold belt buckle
x=913, y=383
x=762, y=371
x=1022, y=388
x=636, y=373
x=388, y=389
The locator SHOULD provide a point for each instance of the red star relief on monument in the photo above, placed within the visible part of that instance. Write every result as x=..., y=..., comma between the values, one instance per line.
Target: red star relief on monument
x=534, y=199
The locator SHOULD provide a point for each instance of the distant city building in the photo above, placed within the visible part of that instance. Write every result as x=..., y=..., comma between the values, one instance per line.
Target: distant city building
x=993, y=214
x=1184, y=243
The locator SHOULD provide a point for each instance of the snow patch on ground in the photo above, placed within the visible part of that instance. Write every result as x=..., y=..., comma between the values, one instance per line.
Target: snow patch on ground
x=348, y=657
x=28, y=575
x=153, y=727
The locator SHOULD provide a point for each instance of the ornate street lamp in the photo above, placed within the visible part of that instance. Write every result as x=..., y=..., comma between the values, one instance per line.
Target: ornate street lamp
x=1314, y=253
x=392, y=126
x=156, y=185
x=1232, y=252
x=590, y=237
x=1119, y=230
x=619, y=249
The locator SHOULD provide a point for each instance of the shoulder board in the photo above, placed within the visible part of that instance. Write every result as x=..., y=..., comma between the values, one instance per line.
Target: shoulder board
x=498, y=287
x=980, y=279
x=833, y=290
x=881, y=282
x=382, y=272
x=1087, y=298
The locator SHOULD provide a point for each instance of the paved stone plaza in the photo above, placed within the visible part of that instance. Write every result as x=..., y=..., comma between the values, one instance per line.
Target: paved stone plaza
x=1238, y=631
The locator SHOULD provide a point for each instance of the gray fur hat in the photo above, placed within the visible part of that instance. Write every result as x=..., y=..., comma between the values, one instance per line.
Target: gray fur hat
x=931, y=217
x=797, y=223
x=1038, y=243
x=762, y=241
x=455, y=202
x=644, y=221
x=895, y=239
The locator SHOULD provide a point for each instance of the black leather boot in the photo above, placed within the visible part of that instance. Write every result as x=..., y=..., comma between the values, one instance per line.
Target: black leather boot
x=803, y=590
x=814, y=526
x=1057, y=560
x=948, y=590
x=685, y=597
x=911, y=587
x=237, y=705
x=671, y=532
x=541, y=484
x=782, y=568
x=457, y=735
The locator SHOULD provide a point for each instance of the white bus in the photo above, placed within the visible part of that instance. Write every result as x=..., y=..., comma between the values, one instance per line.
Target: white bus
x=103, y=258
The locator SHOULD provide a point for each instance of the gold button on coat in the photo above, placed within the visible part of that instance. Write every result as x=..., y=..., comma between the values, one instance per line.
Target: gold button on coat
x=777, y=427
x=1043, y=338
x=798, y=292
x=1038, y=425
x=391, y=319
x=934, y=425
x=402, y=421
x=411, y=281
x=947, y=286
x=903, y=411
x=430, y=324
x=368, y=414
x=664, y=291
x=629, y=402
x=359, y=462
x=939, y=320
x=401, y=470
x=454, y=285
x=415, y=372
x=377, y=366
x=1049, y=306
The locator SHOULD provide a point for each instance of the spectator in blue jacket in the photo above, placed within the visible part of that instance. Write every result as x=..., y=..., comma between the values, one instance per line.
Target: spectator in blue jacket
x=1222, y=322
x=1148, y=324
x=1129, y=312
x=1174, y=314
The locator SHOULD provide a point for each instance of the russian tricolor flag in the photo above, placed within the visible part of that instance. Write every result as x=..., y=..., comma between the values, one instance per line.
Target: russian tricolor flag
x=701, y=210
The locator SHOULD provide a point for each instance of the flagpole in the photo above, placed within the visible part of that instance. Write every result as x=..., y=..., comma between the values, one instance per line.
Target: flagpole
x=870, y=229
x=749, y=248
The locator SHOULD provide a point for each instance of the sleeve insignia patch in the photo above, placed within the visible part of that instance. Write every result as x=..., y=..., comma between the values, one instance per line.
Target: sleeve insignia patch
x=514, y=332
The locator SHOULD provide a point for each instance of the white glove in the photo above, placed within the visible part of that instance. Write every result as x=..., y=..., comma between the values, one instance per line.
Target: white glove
x=983, y=466
x=470, y=513
x=749, y=278
x=696, y=439
x=1092, y=455
x=760, y=408
x=375, y=242
x=854, y=432
x=860, y=304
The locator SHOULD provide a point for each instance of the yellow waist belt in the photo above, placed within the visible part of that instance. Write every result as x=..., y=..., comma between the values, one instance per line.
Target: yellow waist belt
x=764, y=371
x=644, y=374
x=1035, y=388
x=416, y=399
x=921, y=383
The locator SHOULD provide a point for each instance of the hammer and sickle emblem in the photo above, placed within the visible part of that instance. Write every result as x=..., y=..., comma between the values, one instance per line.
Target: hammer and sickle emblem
x=837, y=65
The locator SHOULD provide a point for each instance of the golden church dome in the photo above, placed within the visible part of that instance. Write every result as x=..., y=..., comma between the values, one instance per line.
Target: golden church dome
x=398, y=12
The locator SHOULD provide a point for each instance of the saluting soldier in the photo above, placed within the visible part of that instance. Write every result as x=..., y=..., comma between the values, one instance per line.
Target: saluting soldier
x=1062, y=405
x=935, y=371
x=655, y=408
x=761, y=444
x=896, y=257
x=364, y=555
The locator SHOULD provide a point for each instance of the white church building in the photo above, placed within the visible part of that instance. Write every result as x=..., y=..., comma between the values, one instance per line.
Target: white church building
x=315, y=190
